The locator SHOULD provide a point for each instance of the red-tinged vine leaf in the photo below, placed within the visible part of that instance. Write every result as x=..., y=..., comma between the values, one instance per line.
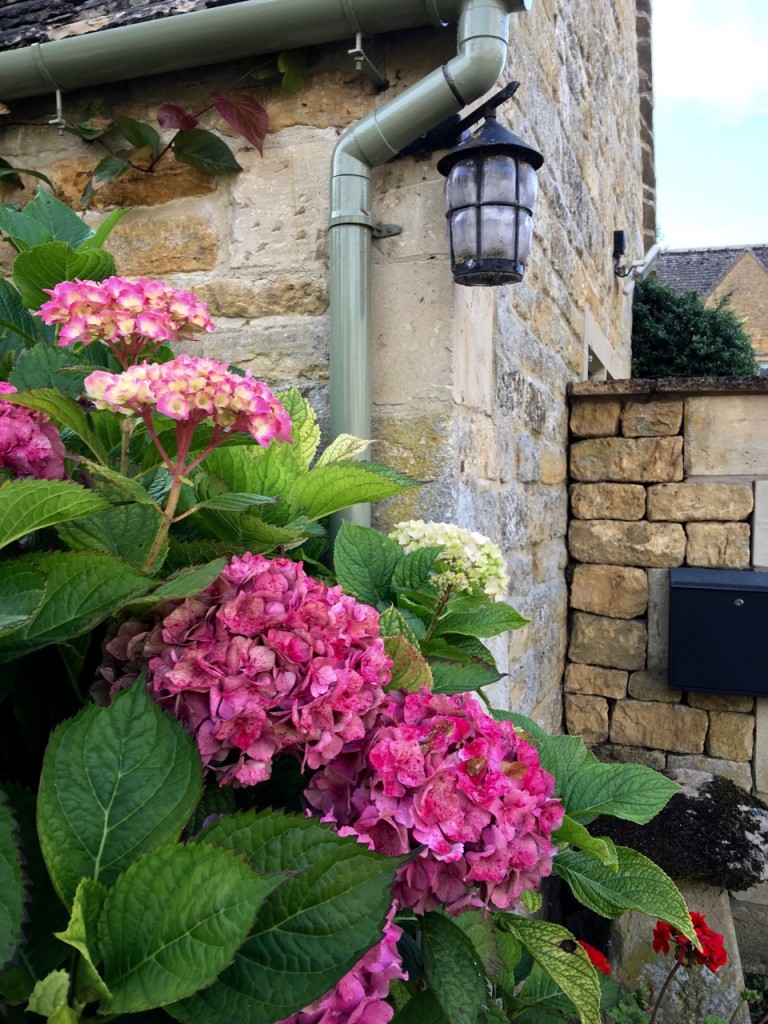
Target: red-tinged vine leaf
x=245, y=114
x=205, y=152
x=169, y=115
x=97, y=120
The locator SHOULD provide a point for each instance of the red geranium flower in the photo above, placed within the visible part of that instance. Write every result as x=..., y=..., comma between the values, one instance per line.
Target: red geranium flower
x=596, y=958
x=712, y=954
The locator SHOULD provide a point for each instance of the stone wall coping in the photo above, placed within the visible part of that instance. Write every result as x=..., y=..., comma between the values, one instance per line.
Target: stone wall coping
x=669, y=386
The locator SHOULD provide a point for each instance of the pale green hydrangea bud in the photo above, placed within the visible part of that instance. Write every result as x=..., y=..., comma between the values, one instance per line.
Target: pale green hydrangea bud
x=469, y=559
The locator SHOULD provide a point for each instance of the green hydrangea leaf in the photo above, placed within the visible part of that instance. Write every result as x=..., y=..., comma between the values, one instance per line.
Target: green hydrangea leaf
x=80, y=591
x=562, y=960
x=453, y=969
x=629, y=791
x=573, y=833
x=486, y=621
x=461, y=676
x=29, y=505
x=82, y=934
x=64, y=411
x=636, y=884
x=22, y=591
x=364, y=560
x=47, y=265
x=305, y=432
x=116, y=782
x=58, y=220
x=395, y=620
x=18, y=328
x=415, y=569
x=45, y=365
x=126, y=531
x=423, y=1008
x=173, y=921
x=330, y=488
x=49, y=994
x=310, y=932
x=11, y=884
x=410, y=670
x=345, y=446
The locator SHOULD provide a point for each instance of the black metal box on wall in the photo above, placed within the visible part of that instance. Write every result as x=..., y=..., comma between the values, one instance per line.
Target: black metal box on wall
x=718, y=627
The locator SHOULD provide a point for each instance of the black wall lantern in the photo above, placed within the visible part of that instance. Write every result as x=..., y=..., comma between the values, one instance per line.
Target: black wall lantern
x=490, y=190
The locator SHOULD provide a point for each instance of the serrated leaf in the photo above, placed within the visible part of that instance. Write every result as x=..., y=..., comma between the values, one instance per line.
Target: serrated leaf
x=44, y=365
x=541, y=1000
x=170, y=115
x=423, y=1008
x=49, y=994
x=47, y=265
x=189, y=554
x=364, y=560
x=60, y=222
x=481, y=932
x=635, y=884
x=310, y=932
x=157, y=951
x=116, y=486
x=18, y=328
x=29, y=505
x=204, y=151
x=126, y=531
x=245, y=114
x=11, y=884
x=116, y=782
x=305, y=432
x=563, y=960
x=81, y=590
x=63, y=410
x=453, y=969
x=573, y=833
x=410, y=670
x=234, y=501
x=486, y=621
x=461, y=676
x=139, y=134
x=531, y=900
x=629, y=791
x=345, y=446
x=415, y=569
x=22, y=228
x=393, y=621
x=82, y=934
x=187, y=582
x=330, y=488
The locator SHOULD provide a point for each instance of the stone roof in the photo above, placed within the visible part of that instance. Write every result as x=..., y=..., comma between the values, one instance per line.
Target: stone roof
x=700, y=270
x=24, y=22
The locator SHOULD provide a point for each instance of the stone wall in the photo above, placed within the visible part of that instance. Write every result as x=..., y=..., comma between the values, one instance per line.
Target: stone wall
x=469, y=384
x=664, y=474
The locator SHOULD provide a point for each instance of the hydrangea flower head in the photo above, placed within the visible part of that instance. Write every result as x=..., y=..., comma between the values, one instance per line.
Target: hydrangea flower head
x=359, y=998
x=30, y=444
x=469, y=559
x=438, y=772
x=265, y=660
x=133, y=318
x=712, y=954
x=189, y=389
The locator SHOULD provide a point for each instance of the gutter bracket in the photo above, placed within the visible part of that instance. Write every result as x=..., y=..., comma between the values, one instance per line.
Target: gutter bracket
x=363, y=63
x=58, y=121
x=386, y=230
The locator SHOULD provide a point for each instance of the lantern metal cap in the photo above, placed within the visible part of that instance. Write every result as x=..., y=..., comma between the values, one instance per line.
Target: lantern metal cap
x=489, y=136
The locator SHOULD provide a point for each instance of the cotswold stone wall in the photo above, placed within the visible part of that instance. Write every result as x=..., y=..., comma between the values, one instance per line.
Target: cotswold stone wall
x=669, y=473
x=469, y=384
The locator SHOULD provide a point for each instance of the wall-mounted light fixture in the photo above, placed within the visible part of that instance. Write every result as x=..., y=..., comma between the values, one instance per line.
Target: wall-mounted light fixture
x=490, y=190
x=636, y=270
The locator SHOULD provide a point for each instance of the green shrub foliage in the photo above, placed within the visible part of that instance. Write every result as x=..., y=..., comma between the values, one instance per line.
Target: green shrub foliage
x=676, y=335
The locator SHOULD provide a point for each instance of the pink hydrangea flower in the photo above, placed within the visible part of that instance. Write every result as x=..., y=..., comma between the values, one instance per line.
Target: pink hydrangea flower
x=30, y=444
x=190, y=390
x=265, y=660
x=133, y=318
x=360, y=996
x=438, y=772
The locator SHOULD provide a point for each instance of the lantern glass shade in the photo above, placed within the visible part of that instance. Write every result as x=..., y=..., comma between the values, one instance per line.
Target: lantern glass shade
x=489, y=198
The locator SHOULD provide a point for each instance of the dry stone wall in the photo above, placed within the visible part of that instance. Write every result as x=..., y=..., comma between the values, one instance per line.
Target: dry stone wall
x=663, y=474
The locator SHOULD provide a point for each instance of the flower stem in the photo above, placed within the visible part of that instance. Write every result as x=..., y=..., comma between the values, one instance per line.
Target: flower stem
x=438, y=612
x=125, y=441
x=663, y=991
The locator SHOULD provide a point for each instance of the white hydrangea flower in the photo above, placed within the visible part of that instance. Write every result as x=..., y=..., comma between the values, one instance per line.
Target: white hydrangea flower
x=469, y=558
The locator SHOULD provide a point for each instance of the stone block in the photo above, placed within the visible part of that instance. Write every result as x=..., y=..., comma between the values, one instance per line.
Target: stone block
x=608, y=501
x=720, y=702
x=760, y=526
x=726, y=435
x=287, y=295
x=761, y=745
x=699, y=502
x=643, y=460
x=611, y=643
x=615, y=753
x=182, y=238
x=592, y=679
x=652, y=686
x=672, y=727
x=658, y=417
x=595, y=417
x=613, y=542
x=658, y=620
x=730, y=736
x=586, y=717
x=618, y=591
x=718, y=545
x=738, y=773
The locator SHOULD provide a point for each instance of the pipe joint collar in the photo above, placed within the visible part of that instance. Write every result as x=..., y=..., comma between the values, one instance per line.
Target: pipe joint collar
x=365, y=220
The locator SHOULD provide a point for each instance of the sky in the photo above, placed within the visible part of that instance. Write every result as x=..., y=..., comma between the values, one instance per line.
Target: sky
x=710, y=68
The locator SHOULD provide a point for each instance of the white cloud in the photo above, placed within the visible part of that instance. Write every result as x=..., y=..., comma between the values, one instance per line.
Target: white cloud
x=713, y=51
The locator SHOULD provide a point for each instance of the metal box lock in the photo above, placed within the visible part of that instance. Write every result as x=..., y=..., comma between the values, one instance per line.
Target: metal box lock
x=718, y=626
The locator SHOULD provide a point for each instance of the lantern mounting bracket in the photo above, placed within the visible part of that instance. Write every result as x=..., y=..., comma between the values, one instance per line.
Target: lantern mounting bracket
x=487, y=109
